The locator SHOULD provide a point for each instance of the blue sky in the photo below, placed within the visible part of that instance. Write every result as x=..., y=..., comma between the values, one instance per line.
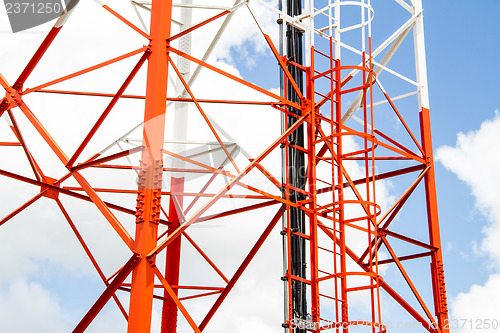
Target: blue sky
x=462, y=51
x=462, y=45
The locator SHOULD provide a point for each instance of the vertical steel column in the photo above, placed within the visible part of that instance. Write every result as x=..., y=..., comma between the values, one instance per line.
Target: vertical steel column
x=150, y=177
x=176, y=204
x=297, y=167
x=437, y=271
x=172, y=263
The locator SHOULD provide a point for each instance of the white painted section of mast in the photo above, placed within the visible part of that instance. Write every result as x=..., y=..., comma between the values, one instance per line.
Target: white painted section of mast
x=66, y=13
x=337, y=29
x=363, y=28
x=420, y=62
x=309, y=33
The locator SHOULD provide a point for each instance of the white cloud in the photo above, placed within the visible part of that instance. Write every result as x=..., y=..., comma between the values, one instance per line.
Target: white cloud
x=477, y=310
x=28, y=307
x=475, y=161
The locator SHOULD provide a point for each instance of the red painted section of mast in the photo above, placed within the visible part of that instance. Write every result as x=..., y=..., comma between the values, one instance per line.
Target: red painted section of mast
x=437, y=269
x=172, y=265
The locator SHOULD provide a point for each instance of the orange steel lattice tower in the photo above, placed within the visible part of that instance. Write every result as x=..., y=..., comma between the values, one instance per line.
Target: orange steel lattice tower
x=343, y=243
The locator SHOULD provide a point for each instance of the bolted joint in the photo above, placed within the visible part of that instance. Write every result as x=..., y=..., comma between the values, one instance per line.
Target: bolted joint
x=11, y=100
x=155, y=216
x=4, y=105
x=151, y=260
x=150, y=176
x=139, y=208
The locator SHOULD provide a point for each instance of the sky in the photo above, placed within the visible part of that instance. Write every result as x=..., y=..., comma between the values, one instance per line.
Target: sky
x=462, y=48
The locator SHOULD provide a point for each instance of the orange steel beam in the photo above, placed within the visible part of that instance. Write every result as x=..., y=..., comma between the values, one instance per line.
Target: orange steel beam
x=36, y=58
x=394, y=142
x=382, y=232
x=201, y=295
x=15, y=127
x=170, y=99
x=173, y=253
x=86, y=70
x=403, y=122
x=127, y=22
x=268, y=175
x=21, y=208
x=181, y=287
x=150, y=176
x=381, y=158
x=403, y=258
x=96, y=162
x=60, y=190
x=179, y=298
x=238, y=210
x=437, y=271
x=199, y=25
x=66, y=192
x=183, y=194
x=11, y=144
x=381, y=176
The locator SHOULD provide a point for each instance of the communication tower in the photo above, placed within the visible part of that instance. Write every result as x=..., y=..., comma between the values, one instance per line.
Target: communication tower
x=343, y=133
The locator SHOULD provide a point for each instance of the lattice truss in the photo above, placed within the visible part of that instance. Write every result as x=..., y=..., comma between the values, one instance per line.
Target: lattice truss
x=174, y=205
